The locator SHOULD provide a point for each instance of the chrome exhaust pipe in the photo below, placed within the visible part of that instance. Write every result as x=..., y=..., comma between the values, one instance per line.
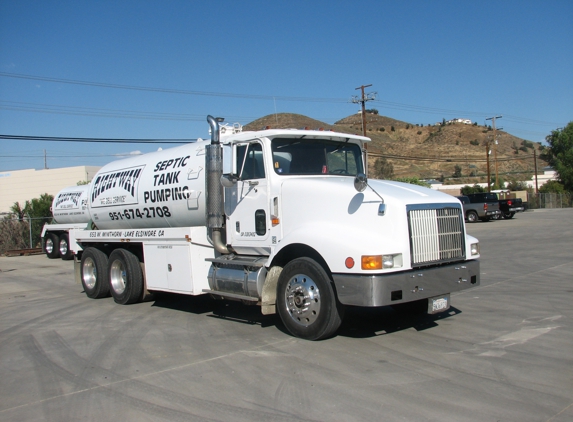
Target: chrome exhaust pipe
x=213, y=188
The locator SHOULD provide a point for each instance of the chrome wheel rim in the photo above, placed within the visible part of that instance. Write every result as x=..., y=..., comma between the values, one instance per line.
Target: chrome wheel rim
x=49, y=245
x=302, y=299
x=117, y=276
x=63, y=247
x=89, y=272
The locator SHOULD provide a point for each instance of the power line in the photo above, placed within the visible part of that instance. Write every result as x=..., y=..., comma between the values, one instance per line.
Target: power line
x=170, y=90
x=446, y=159
x=385, y=104
x=101, y=112
x=96, y=140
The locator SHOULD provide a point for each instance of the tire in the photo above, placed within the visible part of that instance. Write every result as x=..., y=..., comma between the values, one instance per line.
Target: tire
x=472, y=216
x=51, y=248
x=508, y=215
x=64, y=246
x=485, y=219
x=306, y=301
x=125, y=277
x=93, y=273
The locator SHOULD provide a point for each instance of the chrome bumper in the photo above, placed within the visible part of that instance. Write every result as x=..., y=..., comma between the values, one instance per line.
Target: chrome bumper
x=407, y=286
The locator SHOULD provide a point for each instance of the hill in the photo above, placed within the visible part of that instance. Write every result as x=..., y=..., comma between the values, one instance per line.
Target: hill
x=428, y=152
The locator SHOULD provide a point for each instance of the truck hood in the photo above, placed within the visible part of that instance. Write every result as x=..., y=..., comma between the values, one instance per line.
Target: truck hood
x=328, y=214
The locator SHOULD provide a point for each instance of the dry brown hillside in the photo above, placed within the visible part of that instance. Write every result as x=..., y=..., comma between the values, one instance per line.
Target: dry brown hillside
x=429, y=151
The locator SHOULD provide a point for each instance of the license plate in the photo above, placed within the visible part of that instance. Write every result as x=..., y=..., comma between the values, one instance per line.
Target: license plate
x=438, y=304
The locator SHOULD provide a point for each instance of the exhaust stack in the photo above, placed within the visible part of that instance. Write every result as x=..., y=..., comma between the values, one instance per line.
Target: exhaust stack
x=214, y=189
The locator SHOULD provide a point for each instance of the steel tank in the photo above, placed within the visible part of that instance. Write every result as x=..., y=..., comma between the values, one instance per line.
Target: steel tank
x=70, y=205
x=160, y=189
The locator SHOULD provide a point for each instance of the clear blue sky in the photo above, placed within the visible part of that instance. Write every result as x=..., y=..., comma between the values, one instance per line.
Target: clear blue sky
x=242, y=60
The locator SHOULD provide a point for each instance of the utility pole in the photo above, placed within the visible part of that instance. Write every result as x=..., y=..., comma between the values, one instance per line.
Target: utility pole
x=45, y=161
x=495, y=146
x=535, y=161
x=365, y=97
x=487, y=152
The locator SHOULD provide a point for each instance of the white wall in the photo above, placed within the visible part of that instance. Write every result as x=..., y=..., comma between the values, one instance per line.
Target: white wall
x=541, y=180
x=23, y=185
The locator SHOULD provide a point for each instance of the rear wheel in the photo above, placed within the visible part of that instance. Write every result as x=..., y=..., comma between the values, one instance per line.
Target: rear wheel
x=51, y=243
x=508, y=215
x=94, y=273
x=125, y=277
x=306, y=301
x=472, y=216
x=64, y=247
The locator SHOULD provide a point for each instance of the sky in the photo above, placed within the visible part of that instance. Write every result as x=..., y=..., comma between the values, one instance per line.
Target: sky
x=147, y=69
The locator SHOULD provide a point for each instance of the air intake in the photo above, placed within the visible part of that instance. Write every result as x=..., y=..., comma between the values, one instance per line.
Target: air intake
x=436, y=234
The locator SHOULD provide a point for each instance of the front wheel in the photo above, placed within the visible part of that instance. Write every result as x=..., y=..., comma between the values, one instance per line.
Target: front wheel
x=306, y=301
x=125, y=277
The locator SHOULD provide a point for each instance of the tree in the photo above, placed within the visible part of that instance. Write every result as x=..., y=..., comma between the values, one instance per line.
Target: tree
x=552, y=186
x=18, y=211
x=383, y=169
x=466, y=190
x=457, y=171
x=38, y=210
x=560, y=154
x=516, y=185
x=14, y=234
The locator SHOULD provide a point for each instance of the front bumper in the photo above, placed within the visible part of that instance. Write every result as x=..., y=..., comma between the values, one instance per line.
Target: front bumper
x=407, y=286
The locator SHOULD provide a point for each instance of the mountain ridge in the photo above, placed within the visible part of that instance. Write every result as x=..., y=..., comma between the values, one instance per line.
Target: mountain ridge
x=428, y=152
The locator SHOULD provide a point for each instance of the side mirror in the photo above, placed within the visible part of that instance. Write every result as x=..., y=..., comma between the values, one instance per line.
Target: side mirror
x=228, y=180
x=360, y=182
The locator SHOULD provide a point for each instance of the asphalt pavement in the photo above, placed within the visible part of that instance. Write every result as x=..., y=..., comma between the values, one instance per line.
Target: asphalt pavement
x=503, y=352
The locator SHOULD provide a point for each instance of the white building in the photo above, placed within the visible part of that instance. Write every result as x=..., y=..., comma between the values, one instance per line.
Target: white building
x=548, y=174
x=24, y=185
x=457, y=120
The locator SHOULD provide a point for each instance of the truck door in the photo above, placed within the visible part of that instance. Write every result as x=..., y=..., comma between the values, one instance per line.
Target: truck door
x=247, y=202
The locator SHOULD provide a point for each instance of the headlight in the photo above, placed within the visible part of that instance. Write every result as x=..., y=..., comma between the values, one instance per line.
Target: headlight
x=378, y=262
x=474, y=247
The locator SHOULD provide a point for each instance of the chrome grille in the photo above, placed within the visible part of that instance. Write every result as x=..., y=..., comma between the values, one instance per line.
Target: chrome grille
x=436, y=233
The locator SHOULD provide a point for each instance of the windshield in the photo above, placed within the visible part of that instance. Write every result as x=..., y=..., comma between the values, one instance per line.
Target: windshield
x=293, y=156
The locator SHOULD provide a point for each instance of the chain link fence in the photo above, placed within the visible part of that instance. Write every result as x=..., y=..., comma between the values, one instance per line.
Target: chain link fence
x=549, y=200
x=20, y=234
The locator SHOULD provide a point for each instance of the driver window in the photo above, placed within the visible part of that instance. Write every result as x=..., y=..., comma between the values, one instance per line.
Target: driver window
x=250, y=161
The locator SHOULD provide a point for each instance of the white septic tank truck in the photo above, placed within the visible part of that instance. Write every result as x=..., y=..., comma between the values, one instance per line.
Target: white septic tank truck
x=69, y=211
x=280, y=218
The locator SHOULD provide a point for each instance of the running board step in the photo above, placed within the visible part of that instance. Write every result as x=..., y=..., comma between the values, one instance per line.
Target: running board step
x=231, y=295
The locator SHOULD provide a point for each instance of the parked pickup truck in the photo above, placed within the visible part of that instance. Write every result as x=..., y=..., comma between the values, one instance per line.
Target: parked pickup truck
x=483, y=209
x=508, y=207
